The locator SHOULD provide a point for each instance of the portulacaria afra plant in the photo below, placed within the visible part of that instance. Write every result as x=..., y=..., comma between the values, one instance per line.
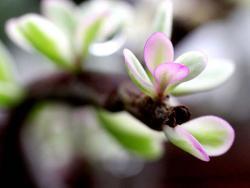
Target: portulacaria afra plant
x=163, y=76
x=137, y=117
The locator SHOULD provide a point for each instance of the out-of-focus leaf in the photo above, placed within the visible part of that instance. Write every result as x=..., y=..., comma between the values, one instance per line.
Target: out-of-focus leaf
x=6, y=73
x=10, y=94
x=132, y=134
x=119, y=15
x=106, y=48
x=42, y=35
x=164, y=18
x=112, y=34
x=49, y=133
x=62, y=13
x=14, y=33
x=87, y=33
x=216, y=73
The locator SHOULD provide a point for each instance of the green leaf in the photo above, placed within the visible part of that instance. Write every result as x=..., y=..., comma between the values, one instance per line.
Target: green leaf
x=6, y=73
x=14, y=33
x=132, y=134
x=10, y=94
x=215, y=74
x=94, y=141
x=42, y=35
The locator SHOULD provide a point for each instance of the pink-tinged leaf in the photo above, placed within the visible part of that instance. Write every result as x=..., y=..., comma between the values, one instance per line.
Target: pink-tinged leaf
x=215, y=134
x=158, y=49
x=137, y=73
x=184, y=140
x=170, y=73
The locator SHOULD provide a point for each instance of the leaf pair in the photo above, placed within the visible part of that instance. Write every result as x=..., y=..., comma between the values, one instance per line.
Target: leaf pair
x=191, y=72
x=163, y=73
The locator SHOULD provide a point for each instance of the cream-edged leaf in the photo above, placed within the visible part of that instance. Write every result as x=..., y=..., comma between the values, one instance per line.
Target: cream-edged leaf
x=137, y=73
x=164, y=18
x=46, y=38
x=62, y=13
x=216, y=73
x=195, y=61
x=213, y=133
x=184, y=140
x=132, y=134
x=14, y=33
x=87, y=33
